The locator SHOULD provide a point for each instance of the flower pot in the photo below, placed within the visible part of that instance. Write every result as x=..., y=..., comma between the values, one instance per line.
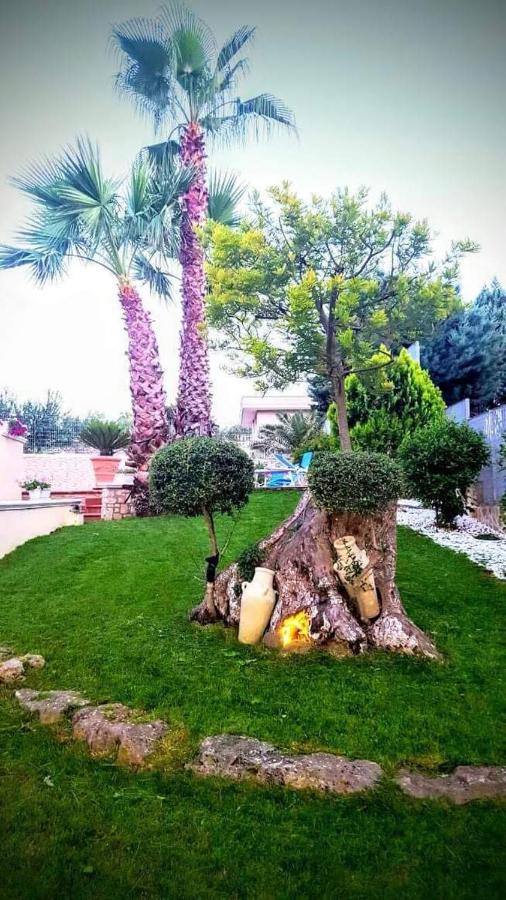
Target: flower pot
x=105, y=468
x=355, y=574
x=45, y=493
x=35, y=494
x=257, y=604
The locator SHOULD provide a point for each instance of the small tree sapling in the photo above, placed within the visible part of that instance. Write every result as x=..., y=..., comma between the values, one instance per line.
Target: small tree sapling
x=201, y=476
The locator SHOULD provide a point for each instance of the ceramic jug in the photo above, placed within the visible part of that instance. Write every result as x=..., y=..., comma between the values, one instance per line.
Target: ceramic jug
x=355, y=573
x=257, y=604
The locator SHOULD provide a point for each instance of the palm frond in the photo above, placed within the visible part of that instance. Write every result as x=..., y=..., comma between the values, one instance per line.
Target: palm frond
x=153, y=208
x=44, y=265
x=148, y=66
x=40, y=181
x=86, y=194
x=140, y=187
x=239, y=117
x=71, y=187
x=230, y=78
x=225, y=194
x=192, y=40
x=45, y=231
x=147, y=273
x=144, y=42
x=164, y=152
x=233, y=45
x=267, y=108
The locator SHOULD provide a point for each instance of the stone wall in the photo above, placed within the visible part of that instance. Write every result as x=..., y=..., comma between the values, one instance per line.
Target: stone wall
x=116, y=503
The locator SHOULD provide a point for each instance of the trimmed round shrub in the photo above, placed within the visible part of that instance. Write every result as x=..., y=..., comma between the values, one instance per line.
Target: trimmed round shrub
x=353, y=481
x=200, y=474
x=440, y=463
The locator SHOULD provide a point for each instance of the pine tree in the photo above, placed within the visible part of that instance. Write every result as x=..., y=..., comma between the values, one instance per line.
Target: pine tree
x=467, y=356
x=389, y=403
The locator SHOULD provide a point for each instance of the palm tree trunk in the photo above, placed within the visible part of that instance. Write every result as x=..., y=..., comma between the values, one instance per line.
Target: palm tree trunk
x=193, y=415
x=149, y=403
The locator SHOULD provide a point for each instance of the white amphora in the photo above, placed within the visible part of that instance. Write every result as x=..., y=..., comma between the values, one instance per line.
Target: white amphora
x=355, y=573
x=257, y=604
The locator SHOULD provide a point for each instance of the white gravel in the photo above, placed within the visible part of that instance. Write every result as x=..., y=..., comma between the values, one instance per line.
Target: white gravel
x=487, y=553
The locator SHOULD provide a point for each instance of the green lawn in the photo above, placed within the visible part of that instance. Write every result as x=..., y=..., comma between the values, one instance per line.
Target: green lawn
x=107, y=606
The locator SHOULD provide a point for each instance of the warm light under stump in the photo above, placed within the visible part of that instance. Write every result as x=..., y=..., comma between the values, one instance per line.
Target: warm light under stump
x=294, y=631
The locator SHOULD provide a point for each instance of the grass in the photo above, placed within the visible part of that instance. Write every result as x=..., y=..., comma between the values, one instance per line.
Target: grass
x=107, y=606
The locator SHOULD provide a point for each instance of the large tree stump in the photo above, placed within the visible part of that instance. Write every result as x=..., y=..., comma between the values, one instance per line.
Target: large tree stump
x=301, y=552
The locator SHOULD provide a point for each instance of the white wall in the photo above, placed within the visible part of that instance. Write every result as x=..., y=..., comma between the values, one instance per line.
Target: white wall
x=20, y=521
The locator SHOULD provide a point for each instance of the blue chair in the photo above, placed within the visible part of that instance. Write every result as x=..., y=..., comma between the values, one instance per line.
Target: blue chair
x=306, y=460
x=279, y=480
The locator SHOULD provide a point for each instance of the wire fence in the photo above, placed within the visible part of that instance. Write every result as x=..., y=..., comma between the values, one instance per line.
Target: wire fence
x=42, y=439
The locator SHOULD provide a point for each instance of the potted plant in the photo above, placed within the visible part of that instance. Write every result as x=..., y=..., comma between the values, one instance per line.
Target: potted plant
x=106, y=437
x=33, y=488
x=45, y=490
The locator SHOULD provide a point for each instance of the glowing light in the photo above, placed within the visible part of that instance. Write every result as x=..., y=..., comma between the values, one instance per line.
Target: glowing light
x=295, y=629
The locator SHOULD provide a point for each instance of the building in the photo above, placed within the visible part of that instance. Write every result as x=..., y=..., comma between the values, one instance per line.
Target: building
x=258, y=410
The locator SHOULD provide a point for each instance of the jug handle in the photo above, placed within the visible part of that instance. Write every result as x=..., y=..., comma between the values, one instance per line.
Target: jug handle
x=244, y=585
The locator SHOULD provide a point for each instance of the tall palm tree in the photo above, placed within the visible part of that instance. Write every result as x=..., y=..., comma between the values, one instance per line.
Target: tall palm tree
x=131, y=229
x=172, y=69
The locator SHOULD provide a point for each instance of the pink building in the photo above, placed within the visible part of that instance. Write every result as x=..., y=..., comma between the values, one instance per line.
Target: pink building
x=257, y=411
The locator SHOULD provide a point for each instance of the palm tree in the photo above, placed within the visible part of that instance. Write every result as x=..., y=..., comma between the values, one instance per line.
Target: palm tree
x=173, y=70
x=290, y=432
x=131, y=230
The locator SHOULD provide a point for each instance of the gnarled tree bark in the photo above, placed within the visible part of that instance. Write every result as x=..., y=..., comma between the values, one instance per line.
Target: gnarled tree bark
x=301, y=552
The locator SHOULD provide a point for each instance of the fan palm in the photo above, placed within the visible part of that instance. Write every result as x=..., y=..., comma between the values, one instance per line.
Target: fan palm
x=129, y=228
x=174, y=71
x=291, y=431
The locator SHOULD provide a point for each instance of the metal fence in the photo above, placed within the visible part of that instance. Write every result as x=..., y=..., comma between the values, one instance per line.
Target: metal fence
x=492, y=425
x=42, y=439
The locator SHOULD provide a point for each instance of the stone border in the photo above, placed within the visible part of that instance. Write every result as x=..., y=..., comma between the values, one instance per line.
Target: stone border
x=132, y=737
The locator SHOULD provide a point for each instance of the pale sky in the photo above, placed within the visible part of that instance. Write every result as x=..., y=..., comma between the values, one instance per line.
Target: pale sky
x=406, y=96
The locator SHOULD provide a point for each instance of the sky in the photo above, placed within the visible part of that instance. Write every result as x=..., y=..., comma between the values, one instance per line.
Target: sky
x=405, y=96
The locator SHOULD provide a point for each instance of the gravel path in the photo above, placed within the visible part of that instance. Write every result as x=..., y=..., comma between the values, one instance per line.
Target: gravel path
x=491, y=554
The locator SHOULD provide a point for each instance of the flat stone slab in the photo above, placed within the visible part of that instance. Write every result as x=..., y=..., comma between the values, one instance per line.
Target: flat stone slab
x=13, y=669
x=464, y=784
x=240, y=758
x=116, y=728
x=50, y=705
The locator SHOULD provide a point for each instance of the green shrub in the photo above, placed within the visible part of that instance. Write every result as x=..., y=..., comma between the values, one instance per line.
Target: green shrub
x=197, y=474
x=382, y=433
x=105, y=436
x=358, y=482
x=321, y=442
x=440, y=463
x=388, y=403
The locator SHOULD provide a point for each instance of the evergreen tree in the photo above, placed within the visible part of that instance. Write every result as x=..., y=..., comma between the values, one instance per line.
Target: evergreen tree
x=389, y=403
x=467, y=355
x=319, y=389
